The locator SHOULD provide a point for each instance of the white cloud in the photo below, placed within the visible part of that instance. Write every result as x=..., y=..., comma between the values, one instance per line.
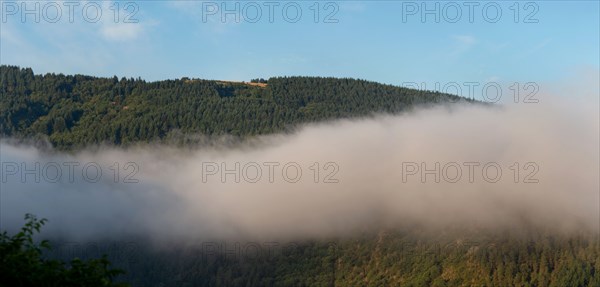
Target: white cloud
x=465, y=40
x=540, y=46
x=493, y=79
x=121, y=31
x=352, y=7
x=125, y=26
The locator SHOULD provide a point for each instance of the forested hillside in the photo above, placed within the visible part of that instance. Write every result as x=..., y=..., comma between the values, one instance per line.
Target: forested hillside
x=384, y=259
x=74, y=111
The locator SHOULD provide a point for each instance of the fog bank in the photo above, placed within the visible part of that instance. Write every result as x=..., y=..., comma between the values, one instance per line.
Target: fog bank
x=508, y=166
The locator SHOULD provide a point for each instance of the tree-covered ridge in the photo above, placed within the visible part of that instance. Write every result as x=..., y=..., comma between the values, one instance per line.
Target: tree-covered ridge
x=77, y=110
x=384, y=259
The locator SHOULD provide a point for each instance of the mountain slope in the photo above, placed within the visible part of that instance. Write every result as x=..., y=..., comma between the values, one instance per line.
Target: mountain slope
x=74, y=111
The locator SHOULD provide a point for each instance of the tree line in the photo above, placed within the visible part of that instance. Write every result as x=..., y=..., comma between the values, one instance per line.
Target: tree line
x=73, y=111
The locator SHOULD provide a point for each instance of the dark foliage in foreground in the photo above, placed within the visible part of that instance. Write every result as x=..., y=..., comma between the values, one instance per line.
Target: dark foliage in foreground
x=22, y=263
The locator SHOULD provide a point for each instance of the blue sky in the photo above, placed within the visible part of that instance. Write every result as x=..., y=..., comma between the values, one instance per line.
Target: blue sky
x=383, y=41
